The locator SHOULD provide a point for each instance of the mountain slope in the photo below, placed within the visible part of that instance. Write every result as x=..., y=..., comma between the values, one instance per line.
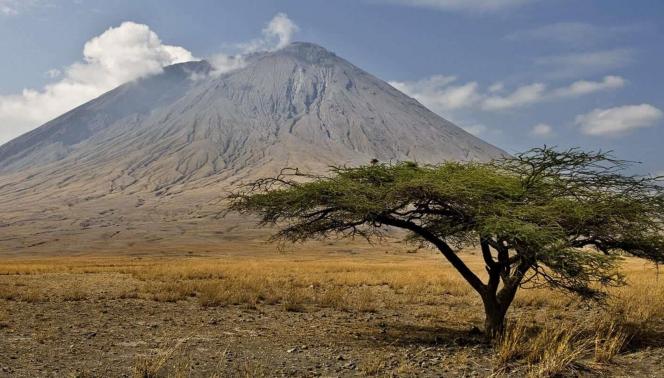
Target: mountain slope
x=177, y=140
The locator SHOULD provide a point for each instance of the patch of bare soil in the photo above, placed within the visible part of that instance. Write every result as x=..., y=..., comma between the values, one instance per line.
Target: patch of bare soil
x=113, y=337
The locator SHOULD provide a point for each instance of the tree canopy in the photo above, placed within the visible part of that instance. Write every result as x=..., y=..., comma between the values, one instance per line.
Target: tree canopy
x=543, y=217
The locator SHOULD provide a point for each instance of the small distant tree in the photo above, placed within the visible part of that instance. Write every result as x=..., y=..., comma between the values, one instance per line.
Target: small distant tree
x=558, y=218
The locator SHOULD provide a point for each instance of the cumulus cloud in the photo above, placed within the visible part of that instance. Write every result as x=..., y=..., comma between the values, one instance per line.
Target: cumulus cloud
x=619, y=120
x=541, y=130
x=463, y=5
x=537, y=92
x=583, y=87
x=438, y=93
x=496, y=87
x=443, y=93
x=118, y=55
x=523, y=95
x=53, y=73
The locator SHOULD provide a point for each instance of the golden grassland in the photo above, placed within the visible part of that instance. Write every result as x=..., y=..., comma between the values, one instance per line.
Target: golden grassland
x=550, y=333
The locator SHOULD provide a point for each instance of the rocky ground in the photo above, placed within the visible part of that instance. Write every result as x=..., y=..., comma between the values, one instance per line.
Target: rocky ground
x=111, y=338
x=110, y=320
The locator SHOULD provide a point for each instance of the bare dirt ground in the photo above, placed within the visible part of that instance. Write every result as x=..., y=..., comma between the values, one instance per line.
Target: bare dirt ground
x=357, y=311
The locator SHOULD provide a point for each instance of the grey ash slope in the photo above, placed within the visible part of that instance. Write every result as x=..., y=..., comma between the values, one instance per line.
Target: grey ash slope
x=300, y=106
x=166, y=145
x=56, y=139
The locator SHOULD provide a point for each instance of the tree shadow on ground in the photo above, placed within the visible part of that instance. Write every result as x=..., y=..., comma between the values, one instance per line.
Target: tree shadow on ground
x=645, y=339
x=404, y=334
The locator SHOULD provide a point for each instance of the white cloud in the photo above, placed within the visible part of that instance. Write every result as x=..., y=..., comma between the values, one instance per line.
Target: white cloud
x=441, y=94
x=542, y=130
x=523, y=95
x=280, y=29
x=223, y=63
x=537, y=92
x=276, y=34
x=118, y=55
x=53, y=73
x=585, y=63
x=9, y=7
x=463, y=5
x=583, y=87
x=618, y=120
x=497, y=87
x=437, y=93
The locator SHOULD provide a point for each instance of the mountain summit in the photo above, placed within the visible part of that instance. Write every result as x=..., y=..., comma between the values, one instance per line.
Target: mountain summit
x=190, y=132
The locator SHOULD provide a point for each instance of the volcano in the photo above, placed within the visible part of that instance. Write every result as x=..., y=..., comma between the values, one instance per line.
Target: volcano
x=150, y=160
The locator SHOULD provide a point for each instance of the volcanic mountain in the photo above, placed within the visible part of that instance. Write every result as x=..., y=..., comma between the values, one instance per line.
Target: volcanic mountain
x=156, y=154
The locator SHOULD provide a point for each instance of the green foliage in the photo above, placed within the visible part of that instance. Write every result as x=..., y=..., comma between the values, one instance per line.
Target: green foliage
x=551, y=217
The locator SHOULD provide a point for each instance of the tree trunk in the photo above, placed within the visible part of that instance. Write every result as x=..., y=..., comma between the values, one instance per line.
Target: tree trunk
x=494, y=321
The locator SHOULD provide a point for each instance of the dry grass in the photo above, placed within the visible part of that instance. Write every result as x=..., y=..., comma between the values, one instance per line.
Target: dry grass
x=551, y=351
x=561, y=336
x=610, y=340
x=152, y=366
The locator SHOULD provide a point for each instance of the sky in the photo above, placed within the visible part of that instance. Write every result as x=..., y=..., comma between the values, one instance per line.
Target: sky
x=516, y=73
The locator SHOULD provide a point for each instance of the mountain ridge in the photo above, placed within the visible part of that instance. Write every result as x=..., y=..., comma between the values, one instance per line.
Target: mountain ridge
x=161, y=150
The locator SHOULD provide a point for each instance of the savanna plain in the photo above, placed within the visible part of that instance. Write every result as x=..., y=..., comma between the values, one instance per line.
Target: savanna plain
x=330, y=310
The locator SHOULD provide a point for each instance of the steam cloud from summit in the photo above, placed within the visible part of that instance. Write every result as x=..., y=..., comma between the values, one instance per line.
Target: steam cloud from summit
x=277, y=34
x=118, y=55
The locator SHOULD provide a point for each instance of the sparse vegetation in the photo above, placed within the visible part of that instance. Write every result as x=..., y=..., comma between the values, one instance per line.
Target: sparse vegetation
x=560, y=219
x=407, y=314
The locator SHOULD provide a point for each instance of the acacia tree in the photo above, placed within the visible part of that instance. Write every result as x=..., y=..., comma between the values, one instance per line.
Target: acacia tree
x=544, y=217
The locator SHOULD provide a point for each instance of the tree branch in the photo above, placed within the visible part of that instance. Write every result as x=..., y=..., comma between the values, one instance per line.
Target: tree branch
x=445, y=249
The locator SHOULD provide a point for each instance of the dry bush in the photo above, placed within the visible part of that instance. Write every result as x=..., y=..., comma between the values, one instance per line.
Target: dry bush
x=511, y=347
x=558, y=352
x=374, y=365
x=33, y=295
x=332, y=297
x=128, y=294
x=75, y=295
x=294, y=299
x=551, y=351
x=211, y=294
x=151, y=366
x=610, y=339
x=170, y=291
x=638, y=309
x=556, y=339
x=363, y=300
x=8, y=293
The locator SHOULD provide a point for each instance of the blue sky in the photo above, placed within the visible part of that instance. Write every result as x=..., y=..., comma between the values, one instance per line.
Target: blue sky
x=517, y=73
